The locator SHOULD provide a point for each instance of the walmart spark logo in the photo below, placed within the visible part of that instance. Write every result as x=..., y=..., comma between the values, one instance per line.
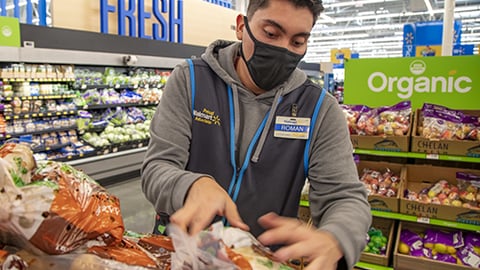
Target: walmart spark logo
x=206, y=116
x=409, y=38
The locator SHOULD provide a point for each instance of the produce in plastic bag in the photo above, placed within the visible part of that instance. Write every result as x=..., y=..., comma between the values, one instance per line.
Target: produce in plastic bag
x=203, y=251
x=11, y=261
x=57, y=210
x=439, y=122
x=410, y=243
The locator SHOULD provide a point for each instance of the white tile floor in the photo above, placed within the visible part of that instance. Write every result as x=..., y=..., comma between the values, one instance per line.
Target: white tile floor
x=138, y=213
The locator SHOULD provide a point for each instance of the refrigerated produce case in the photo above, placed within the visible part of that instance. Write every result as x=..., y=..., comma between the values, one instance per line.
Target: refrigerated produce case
x=80, y=50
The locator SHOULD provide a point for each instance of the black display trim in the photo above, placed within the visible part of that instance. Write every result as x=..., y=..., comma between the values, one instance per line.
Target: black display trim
x=67, y=39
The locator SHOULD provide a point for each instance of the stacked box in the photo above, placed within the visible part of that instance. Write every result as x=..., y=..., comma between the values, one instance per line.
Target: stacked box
x=378, y=202
x=419, y=177
x=387, y=226
x=420, y=144
x=407, y=262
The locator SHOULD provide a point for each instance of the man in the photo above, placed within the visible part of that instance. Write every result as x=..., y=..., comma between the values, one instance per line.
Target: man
x=238, y=131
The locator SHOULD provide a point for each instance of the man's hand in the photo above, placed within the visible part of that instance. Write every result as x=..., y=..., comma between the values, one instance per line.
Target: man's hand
x=320, y=249
x=206, y=199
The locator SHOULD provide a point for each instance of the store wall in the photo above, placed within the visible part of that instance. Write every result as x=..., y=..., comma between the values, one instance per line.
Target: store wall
x=202, y=22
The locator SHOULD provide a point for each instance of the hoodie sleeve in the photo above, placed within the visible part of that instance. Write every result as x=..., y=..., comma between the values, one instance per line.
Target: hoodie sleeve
x=164, y=179
x=338, y=200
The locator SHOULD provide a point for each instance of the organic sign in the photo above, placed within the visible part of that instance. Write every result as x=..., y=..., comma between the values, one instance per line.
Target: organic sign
x=451, y=81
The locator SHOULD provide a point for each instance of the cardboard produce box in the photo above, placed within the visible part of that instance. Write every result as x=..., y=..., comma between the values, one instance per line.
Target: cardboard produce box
x=421, y=144
x=393, y=121
x=408, y=262
x=387, y=226
x=419, y=177
x=379, y=202
x=381, y=143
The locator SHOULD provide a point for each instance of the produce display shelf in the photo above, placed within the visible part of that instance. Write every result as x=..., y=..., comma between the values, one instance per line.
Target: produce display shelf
x=44, y=114
x=107, y=156
x=104, y=86
x=13, y=135
x=417, y=155
x=432, y=221
x=38, y=79
x=114, y=105
x=59, y=96
x=369, y=266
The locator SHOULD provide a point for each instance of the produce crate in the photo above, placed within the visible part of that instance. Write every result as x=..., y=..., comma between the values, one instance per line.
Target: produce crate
x=378, y=202
x=388, y=143
x=387, y=226
x=421, y=144
x=419, y=177
x=407, y=262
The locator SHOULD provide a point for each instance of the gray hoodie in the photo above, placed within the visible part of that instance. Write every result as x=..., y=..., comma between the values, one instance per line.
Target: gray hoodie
x=338, y=200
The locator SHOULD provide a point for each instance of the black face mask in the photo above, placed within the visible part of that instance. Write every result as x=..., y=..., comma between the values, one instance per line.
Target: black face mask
x=269, y=65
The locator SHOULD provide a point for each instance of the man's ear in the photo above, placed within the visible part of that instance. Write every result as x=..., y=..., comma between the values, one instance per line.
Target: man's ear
x=240, y=26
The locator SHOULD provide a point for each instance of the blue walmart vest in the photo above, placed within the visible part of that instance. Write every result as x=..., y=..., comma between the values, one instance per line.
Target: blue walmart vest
x=274, y=183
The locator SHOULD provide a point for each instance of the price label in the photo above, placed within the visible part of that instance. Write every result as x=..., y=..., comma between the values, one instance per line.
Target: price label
x=432, y=156
x=49, y=114
x=115, y=149
x=423, y=220
x=84, y=86
x=117, y=85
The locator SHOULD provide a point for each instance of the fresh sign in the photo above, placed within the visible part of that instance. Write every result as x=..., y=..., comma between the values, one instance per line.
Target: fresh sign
x=164, y=16
x=451, y=81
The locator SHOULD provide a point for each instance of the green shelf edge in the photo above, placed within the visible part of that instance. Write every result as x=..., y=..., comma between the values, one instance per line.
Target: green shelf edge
x=372, y=266
x=416, y=155
x=432, y=221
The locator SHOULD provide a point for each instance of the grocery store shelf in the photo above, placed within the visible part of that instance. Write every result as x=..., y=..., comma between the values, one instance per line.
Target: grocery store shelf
x=107, y=156
x=111, y=165
x=432, y=221
x=59, y=56
x=369, y=266
x=417, y=155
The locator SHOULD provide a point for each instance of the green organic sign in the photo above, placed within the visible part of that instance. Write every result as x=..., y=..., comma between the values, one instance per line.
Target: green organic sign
x=451, y=81
x=9, y=32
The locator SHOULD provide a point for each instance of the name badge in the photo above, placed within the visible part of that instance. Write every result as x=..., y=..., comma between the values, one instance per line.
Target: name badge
x=292, y=127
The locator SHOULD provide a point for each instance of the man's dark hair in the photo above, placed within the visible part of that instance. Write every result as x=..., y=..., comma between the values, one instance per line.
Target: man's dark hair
x=315, y=6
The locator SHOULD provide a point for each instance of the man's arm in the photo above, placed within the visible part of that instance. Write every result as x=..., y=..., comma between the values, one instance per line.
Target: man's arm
x=164, y=179
x=338, y=200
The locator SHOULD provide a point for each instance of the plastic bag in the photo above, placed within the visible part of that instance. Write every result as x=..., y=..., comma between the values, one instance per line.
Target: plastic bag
x=200, y=252
x=57, y=209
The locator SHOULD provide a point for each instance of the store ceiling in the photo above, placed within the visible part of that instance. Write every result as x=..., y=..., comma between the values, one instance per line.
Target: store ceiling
x=374, y=28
